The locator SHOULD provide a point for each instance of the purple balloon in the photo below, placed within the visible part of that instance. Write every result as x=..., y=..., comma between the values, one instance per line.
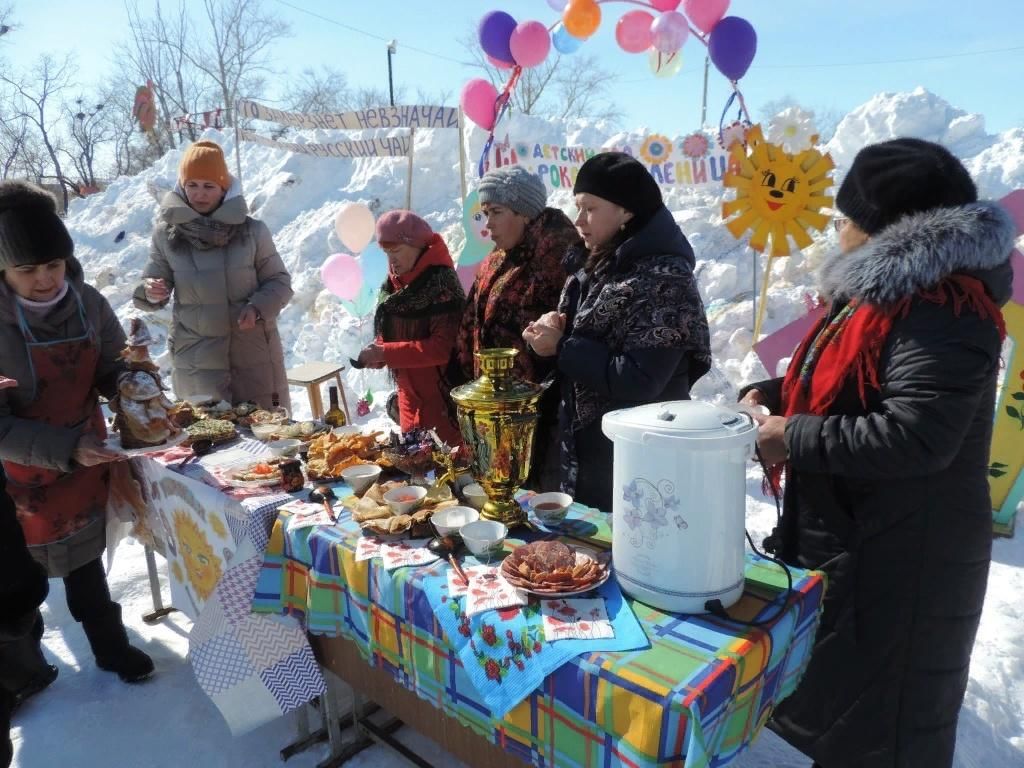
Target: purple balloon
x=732, y=46
x=494, y=32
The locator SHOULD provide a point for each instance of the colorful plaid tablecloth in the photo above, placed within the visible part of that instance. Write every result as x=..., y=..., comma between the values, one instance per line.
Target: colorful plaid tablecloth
x=697, y=696
x=254, y=668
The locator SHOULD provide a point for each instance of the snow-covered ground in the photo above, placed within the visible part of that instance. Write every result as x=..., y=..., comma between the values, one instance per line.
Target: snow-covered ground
x=88, y=718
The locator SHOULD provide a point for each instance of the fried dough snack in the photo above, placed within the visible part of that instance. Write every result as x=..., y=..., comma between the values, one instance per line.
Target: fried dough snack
x=329, y=453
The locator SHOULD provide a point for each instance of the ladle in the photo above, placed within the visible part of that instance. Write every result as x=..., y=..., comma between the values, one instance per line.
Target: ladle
x=324, y=493
x=200, y=447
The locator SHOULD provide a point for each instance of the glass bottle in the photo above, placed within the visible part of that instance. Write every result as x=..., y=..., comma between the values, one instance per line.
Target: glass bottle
x=335, y=416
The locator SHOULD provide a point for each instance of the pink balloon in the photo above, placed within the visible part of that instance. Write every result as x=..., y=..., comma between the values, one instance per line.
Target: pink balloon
x=478, y=97
x=705, y=13
x=530, y=43
x=342, y=276
x=633, y=31
x=669, y=31
x=665, y=5
x=498, y=62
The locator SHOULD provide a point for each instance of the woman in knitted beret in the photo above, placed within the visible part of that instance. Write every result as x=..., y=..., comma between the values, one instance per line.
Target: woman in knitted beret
x=60, y=345
x=416, y=322
x=519, y=281
x=630, y=327
x=881, y=428
x=229, y=286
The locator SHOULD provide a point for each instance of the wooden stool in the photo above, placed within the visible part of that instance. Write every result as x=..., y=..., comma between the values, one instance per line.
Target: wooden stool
x=311, y=376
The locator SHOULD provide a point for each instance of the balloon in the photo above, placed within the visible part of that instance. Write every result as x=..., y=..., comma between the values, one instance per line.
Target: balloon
x=669, y=31
x=582, y=18
x=494, y=31
x=665, y=65
x=530, y=43
x=665, y=5
x=478, y=97
x=633, y=31
x=342, y=276
x=498, y=63
x=374, y=263
x=705, y=13
x=732, y=45
x=563, y=41
x=354, y=225
x=557, y=5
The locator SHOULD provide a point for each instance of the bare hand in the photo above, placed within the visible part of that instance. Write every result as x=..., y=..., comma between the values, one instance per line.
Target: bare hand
x=372, y=355
x=6, y=383
x=247, y=320
x=552, y=320
x=156, y=290
x=542, y=339
x=90, y=451
x=755, y=397
x=771, y=438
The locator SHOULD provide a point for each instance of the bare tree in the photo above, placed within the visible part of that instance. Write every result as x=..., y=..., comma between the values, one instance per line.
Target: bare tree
x=89, y=133
x=33, y=99
x=15, y=141
x=320, y=91
x=562, y=86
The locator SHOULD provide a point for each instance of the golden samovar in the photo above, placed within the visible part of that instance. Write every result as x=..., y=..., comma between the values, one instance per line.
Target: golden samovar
x=498, y=416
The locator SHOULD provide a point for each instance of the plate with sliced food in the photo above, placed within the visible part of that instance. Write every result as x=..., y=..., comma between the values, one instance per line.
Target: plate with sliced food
x=554, y=569
x=257, y=474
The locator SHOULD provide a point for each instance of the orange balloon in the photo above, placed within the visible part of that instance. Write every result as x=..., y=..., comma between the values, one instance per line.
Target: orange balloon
x=581, y=18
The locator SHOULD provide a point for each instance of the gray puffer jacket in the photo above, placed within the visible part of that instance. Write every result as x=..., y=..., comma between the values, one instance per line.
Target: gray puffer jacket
x=891, y=500
x=209, y=353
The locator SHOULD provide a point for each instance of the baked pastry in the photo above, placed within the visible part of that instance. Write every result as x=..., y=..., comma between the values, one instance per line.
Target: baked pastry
x=141, y=410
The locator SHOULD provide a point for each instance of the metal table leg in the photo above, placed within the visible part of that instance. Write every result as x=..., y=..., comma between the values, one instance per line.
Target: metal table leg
x=159, y=611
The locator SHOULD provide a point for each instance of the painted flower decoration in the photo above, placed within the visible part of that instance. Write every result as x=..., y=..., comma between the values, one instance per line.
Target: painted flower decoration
x=656, y=149
x=793, y=130
x=696, y=145
x=735, y=132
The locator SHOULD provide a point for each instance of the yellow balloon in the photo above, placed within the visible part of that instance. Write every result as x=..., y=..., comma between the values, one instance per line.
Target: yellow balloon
x=664, y=64
x=581, y=18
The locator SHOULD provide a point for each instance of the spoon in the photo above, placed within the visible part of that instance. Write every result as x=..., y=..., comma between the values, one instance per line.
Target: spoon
x=200, y=447
x=323, y=494
x=447, y=546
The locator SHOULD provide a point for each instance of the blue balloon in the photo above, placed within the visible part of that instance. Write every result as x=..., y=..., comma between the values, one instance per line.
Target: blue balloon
x=563, y=41
x=374, y=263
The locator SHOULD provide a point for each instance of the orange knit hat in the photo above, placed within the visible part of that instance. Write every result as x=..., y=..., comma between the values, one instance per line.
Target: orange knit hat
x=204, y=160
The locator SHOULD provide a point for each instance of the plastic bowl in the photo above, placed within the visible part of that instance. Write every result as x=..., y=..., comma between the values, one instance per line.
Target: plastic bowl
x=475, y=495
x=550, y=508
x=405, y=499
x=484, y=537
x=264, y=431
x=360, y=476
x=451, y=519
x=287, y=447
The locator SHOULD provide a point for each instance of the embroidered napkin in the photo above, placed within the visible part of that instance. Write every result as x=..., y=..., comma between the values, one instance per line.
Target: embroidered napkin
x=367, y=548
x=403, y=553
x=487, y=590
x=577, y=618
x=306, y=515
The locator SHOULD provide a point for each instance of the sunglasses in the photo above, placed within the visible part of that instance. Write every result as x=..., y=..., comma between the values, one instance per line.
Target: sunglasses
x=839, y=222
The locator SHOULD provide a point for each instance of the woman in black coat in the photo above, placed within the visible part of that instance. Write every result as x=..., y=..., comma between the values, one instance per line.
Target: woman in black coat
x=883, y=424
x=631, y=327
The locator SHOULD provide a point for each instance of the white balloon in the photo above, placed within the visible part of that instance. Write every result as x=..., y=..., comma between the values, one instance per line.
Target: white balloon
x=355, y=226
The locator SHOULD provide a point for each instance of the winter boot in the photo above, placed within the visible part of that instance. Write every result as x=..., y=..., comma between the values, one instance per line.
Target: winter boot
x=113, y=652
x=24, y=671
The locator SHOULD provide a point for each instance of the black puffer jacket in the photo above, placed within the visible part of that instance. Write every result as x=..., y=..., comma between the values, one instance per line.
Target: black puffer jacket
x=23, y=582
x=892, y=501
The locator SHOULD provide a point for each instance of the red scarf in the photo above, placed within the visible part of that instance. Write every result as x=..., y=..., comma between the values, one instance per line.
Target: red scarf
x=850, y=344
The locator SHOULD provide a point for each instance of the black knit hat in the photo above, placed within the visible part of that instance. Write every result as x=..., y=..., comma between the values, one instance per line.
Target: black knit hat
x=889, y=180
x=620, y=179
x=31, y=232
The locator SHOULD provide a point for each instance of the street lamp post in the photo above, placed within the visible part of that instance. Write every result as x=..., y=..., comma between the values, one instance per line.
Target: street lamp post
x=391, y=81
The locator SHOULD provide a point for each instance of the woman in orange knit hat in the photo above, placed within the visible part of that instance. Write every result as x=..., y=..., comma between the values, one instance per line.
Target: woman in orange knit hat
x=229, y=286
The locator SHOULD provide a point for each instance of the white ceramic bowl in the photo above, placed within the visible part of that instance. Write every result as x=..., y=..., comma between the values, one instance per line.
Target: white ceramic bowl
x=347, y=430
x=360, y=476
x=550, y=508
x=405, y=499
x=451, y=519
x=287, y=447
x=475, y=495
x=484, y=538
x=264, y=431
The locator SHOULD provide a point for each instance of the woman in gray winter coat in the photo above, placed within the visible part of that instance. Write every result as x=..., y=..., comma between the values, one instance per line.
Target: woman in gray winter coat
x=882, y=426
x=229, y=286
x=630, y=327
x=60, y=343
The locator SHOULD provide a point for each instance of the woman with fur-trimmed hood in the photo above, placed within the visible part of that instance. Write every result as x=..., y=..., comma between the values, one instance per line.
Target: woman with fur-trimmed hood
x=229, y=285
x=882, y=428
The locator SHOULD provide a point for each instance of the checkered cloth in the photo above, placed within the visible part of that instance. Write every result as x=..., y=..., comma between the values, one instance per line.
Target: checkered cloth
x=698, y=696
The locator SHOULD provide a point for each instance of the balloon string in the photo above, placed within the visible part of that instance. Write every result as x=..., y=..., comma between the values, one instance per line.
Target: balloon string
x=500, y=107
x=743, y=105
x=721, y=121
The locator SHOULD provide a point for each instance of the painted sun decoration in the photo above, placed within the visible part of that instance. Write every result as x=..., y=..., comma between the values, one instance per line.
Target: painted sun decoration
x=778, y=196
